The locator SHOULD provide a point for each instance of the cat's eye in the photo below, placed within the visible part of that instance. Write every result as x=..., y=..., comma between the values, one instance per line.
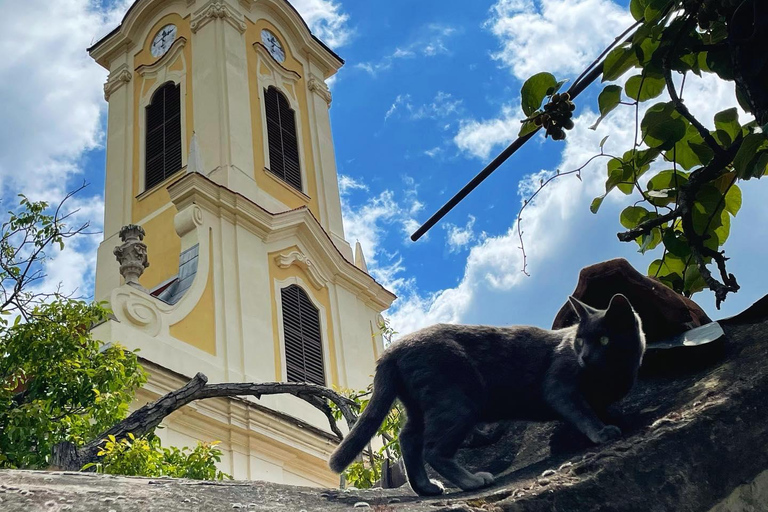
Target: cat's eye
x=604, y=340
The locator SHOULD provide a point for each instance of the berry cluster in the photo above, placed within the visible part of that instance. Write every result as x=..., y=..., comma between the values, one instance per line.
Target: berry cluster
x=557, y=115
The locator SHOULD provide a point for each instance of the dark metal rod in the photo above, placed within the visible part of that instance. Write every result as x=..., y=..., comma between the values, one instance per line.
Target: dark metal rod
x=574, y=91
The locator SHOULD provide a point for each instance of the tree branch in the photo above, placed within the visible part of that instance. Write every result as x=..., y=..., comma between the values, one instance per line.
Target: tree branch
x=645, y=228
x=68, y=457
x=677, y=101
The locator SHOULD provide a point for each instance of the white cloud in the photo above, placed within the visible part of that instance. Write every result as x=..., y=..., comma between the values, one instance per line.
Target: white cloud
x=326, y=20
x=443, y=106
x=400, y=101
x=52, y=103
x=458, y=238
x=347, y=183
x=51, y=90
x=559, y=36
x=370, y=222
x=479, y=138
x=433, y=43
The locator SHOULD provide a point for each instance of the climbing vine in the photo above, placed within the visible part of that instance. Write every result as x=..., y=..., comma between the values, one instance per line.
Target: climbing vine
x=685, y=175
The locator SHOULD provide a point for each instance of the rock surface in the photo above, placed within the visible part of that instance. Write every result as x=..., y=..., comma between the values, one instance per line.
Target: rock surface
x=696, y=431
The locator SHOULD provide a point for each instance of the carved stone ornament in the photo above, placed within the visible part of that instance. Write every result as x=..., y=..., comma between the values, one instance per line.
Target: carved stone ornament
x=317, y=279
x=115, y=81
x=132, y=254
x=320, y=88
x=214, y=11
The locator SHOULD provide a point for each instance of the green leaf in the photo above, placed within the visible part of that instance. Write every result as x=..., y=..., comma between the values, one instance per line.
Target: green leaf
x=662, y=188
x=535, y=90
x=619, y=175
x=609, y=99
x=632, y=216
x=691, y=151
x=693, y=282
x=654, y=9
x=637, y=9
x=732, y=192
x=662, y=126
x=747, y=157
x=676, y=243
x=650, y=241
x=596, y=202
x=602, y=142
x=761, y=164
x=728, y=121
x=645, y=87
x=559, y=85
x=526, y=128
x=719, y=61
x=618, y=62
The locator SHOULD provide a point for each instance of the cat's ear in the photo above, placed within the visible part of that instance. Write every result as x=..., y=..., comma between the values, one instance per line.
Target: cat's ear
x=584, y=311
x=620, y=311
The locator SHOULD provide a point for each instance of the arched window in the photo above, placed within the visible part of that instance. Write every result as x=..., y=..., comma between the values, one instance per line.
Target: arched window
x=303, y=341
x=163, y=150
x=281, y=134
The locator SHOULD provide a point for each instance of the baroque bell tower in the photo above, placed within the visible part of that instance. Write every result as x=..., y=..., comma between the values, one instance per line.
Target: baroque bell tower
x=219, y=148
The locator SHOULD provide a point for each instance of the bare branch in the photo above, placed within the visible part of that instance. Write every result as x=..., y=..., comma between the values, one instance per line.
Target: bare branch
x=142, y=421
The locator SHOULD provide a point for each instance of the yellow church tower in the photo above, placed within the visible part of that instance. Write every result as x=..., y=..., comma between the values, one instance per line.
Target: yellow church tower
x=220, y=156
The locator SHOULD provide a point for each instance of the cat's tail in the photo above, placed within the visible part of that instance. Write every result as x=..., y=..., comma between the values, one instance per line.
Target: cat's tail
x=384, y=394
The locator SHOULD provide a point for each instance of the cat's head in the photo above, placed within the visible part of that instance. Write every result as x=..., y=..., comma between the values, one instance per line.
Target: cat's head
x=605, y=337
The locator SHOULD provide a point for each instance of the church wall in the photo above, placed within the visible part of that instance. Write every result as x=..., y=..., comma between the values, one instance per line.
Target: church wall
x=291, y=82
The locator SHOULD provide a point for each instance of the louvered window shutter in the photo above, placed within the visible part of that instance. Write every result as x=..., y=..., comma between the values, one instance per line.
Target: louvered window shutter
x=282, y=139
x=163, y=145
x=303, y=340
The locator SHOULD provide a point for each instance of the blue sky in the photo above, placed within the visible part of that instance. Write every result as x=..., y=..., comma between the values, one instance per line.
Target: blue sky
x=429, y=94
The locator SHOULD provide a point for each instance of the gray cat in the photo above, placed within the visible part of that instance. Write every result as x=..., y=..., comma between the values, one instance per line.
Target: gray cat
x=450, y=377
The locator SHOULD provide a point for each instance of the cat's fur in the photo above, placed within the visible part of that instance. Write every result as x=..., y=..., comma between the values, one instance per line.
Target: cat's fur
x=449, y=377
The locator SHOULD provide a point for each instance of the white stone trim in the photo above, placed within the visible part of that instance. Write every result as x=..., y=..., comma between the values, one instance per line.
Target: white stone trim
x=159, y=71
x=214, y=11
x=280, y=78
x=117, y=78
x=319, y=87
x=324, y=332
x=316, y=277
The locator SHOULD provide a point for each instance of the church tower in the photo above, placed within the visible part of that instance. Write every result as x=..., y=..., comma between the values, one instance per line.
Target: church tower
x=219, y=147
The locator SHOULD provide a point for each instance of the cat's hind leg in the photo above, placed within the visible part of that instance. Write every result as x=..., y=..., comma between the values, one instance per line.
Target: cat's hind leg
x=446, y=427
x=412, y=447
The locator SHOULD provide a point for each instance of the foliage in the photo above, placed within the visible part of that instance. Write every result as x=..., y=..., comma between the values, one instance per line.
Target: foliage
x=57, y=383
x=144, y=456
x=364, y=472
x=684, y=176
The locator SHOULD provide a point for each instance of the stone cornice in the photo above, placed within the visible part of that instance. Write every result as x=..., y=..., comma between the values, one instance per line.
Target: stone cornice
x=214, y=11
x=319, y=87
x=316, y=277
x=266, y=58
x=116, y=80
x=169, y=56
x=198, y=189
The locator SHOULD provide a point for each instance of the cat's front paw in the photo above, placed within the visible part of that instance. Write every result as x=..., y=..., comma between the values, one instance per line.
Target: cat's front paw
x=606, y=434
x=478, y=480
x=430, y=488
